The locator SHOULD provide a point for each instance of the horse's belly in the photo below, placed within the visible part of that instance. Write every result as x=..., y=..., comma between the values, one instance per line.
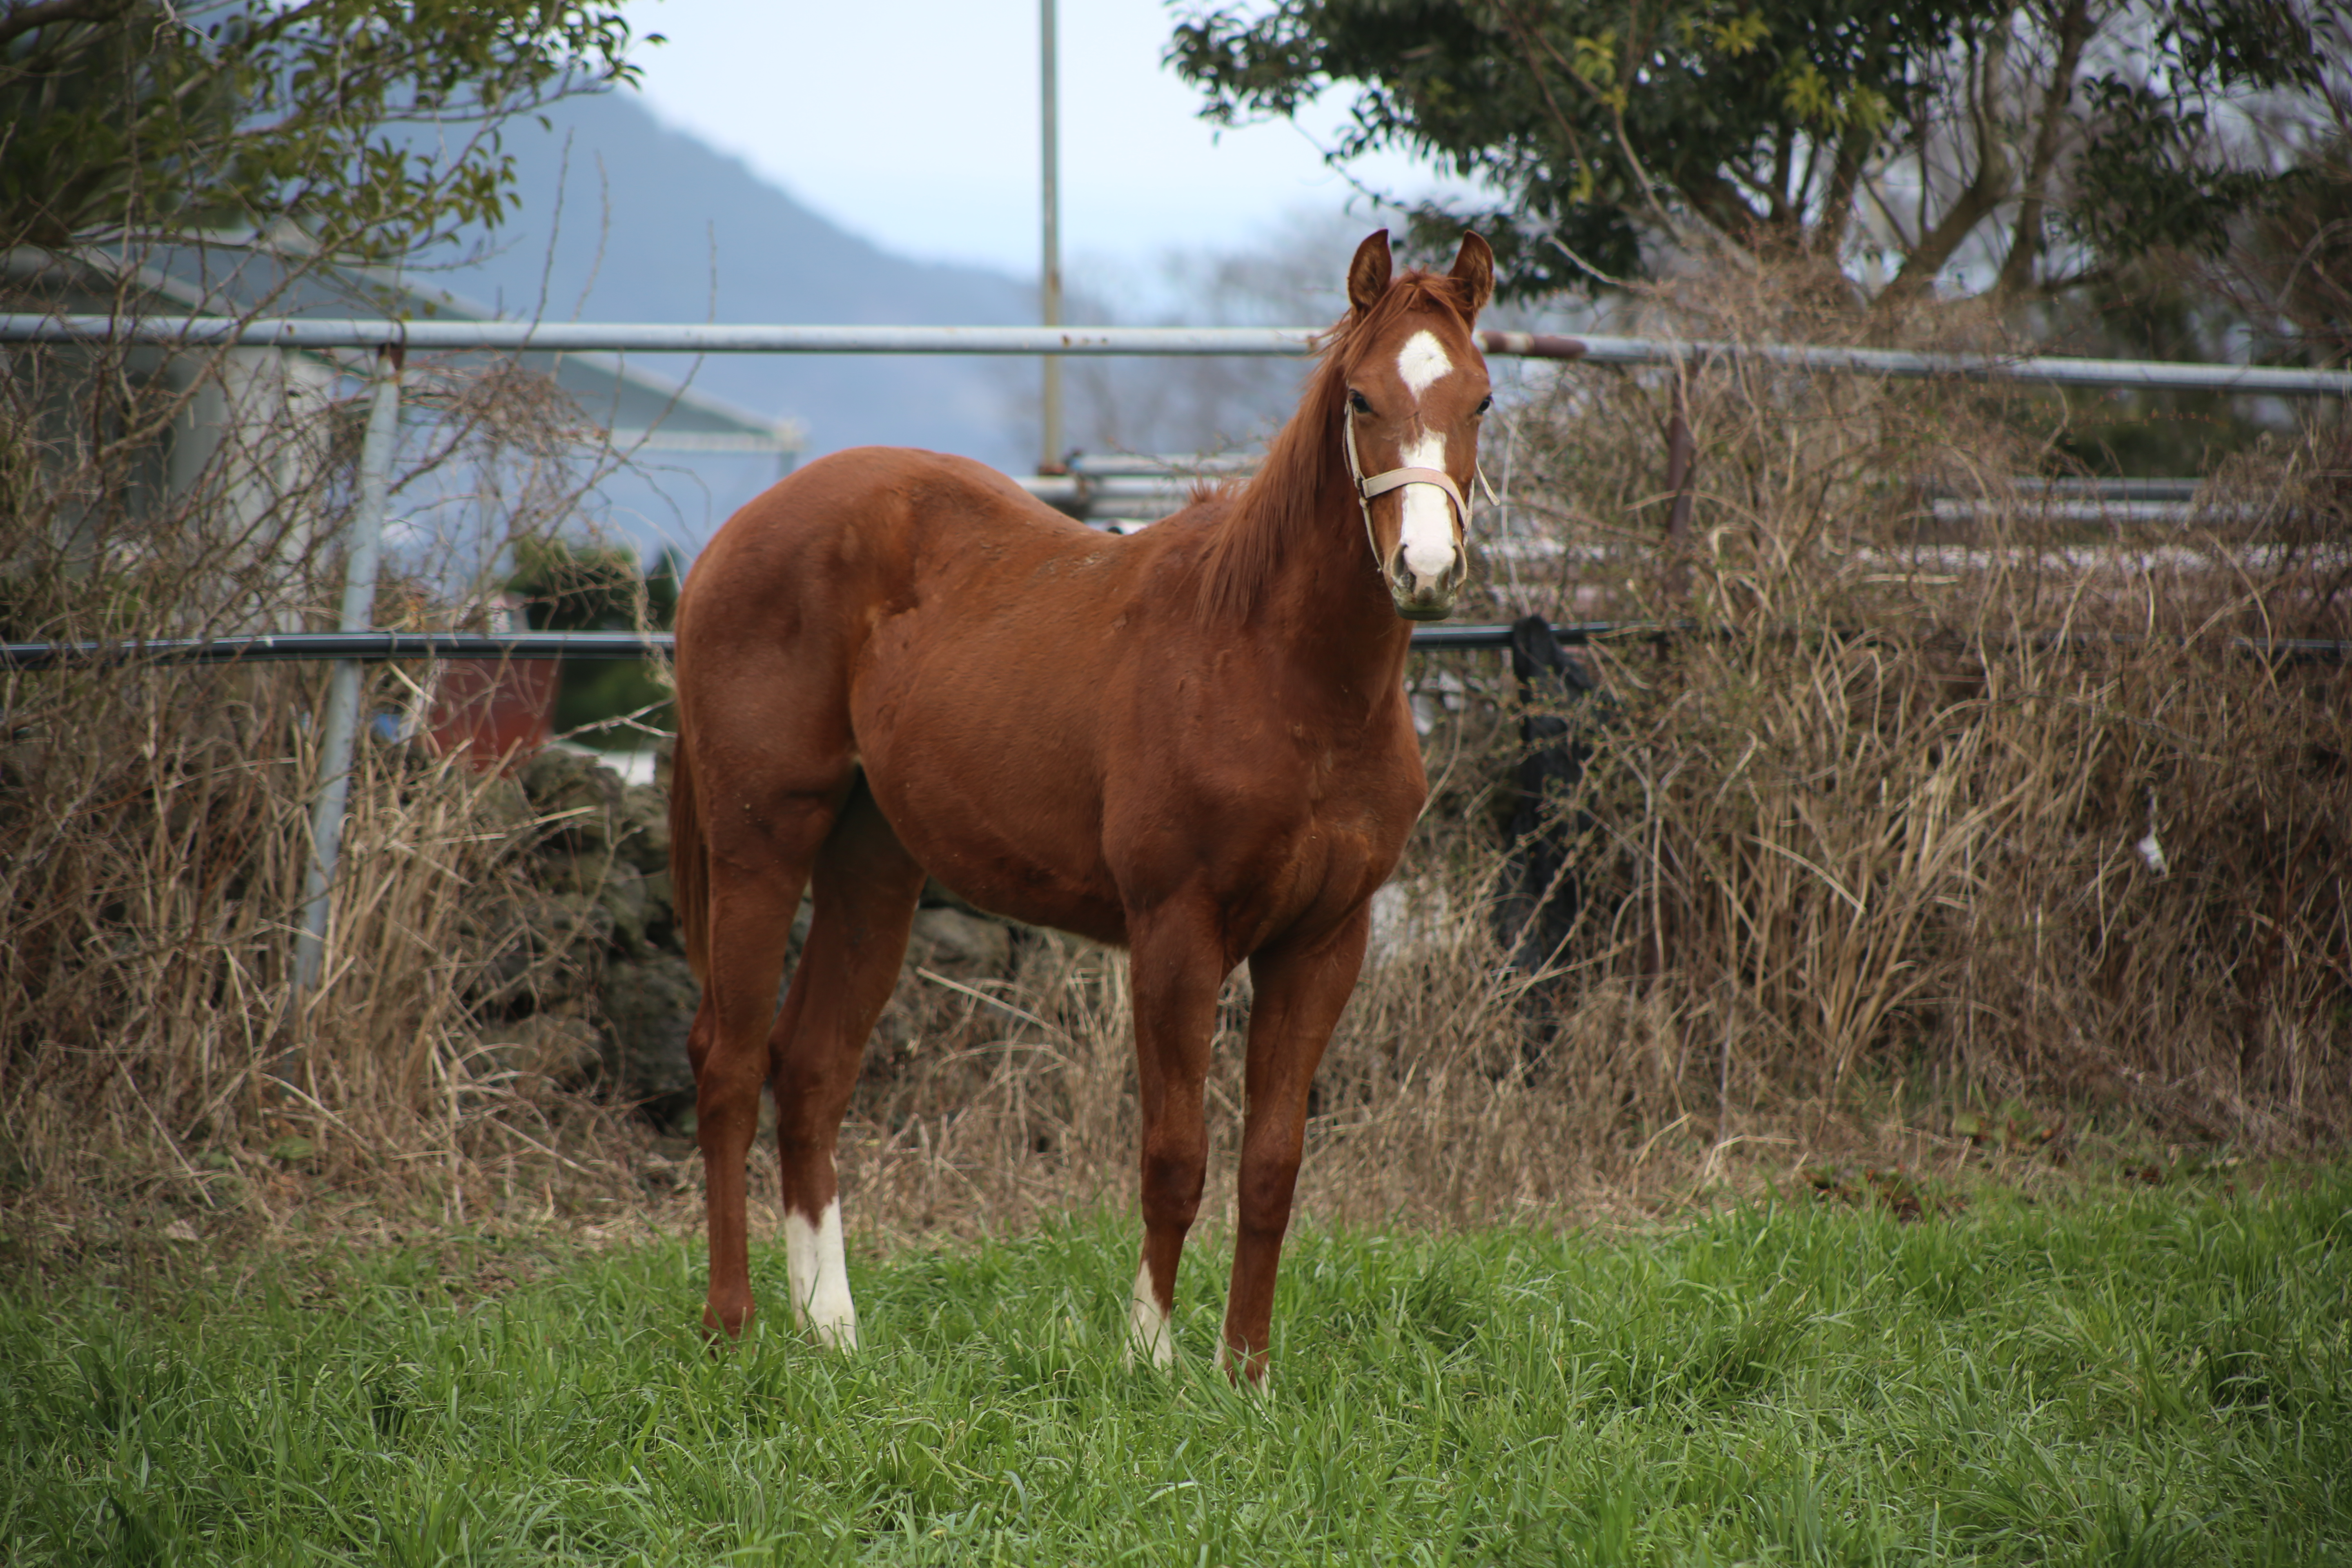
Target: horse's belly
x=1097, y=920
x=1013, y=828
x=1038, y=881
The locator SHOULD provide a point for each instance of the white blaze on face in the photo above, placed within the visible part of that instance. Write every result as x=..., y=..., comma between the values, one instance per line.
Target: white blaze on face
x=1427, y=535
x=1148, y=1333
x=819, y=1276
x=1422, y=362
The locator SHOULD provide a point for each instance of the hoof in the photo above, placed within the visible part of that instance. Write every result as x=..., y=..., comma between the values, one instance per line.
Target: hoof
x=719, y=1332
x=1247, y=1369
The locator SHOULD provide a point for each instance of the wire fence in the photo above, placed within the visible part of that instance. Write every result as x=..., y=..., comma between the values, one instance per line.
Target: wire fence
x=357, y=642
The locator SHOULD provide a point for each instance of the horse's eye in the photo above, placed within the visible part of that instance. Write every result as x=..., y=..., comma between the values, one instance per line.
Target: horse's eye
x=1358, y=401
x=1483, y=404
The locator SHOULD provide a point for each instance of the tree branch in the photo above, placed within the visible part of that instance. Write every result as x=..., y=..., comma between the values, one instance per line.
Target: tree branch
x=1893, y=219
x=20, y=19
x=1986, y=189
x=1718, y=201
x=2025, y=247
x=1837, y=210
x=1530, y=40
x=1784, y=148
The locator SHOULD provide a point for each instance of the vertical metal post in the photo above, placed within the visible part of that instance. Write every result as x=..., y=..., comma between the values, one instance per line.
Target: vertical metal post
x=1050, y=460
x=1682, y=458
x=341, y=723
x=1681, y=464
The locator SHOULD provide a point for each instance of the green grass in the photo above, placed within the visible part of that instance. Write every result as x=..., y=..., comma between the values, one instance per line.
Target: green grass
x=2161, y=1378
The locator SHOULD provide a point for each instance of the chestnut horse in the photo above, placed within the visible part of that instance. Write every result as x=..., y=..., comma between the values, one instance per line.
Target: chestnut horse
x=1192, y=742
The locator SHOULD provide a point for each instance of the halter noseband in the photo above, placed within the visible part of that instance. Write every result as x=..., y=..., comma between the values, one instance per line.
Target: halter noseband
x=1396, y=479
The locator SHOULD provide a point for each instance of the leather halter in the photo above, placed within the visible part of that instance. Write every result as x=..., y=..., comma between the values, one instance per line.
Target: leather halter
x=1396, y=479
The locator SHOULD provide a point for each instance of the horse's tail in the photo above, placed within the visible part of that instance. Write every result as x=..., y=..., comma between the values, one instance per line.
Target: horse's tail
x=690, y=877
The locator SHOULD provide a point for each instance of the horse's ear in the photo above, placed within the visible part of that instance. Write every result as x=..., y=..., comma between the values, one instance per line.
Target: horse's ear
x=1474, y=268
x=1368, y=275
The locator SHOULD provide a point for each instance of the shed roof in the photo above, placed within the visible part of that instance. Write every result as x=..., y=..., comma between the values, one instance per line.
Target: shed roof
x=238, y=274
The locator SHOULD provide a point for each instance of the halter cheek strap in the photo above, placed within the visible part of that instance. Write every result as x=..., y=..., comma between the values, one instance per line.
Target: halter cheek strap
x=1396, y=479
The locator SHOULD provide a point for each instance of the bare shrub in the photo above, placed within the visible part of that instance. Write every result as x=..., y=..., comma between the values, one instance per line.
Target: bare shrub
x=1992, y=798
x=154, y=818
x=1922, y=808
x=1930, y=793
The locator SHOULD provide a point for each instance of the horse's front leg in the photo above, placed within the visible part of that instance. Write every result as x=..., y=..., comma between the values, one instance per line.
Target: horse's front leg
x=1176, y=963
x=1300, y=990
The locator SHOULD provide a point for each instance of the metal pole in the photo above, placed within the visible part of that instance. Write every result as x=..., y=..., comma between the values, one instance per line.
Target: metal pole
x=647, y=337
x=341, y=723
x=1682, y=458
x=1050, y=458
x=497, y=647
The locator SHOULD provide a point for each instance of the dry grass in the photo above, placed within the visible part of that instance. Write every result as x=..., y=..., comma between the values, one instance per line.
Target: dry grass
x=1861, y=863
x=154, y=821
x=1939, y=842
x=1883, y=813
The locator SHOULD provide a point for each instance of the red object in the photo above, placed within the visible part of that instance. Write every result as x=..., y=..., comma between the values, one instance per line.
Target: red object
x=497, y=713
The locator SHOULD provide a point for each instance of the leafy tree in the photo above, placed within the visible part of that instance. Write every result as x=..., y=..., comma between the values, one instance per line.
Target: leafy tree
x=2290, y=267
x=2055, y=137
x=372, y=123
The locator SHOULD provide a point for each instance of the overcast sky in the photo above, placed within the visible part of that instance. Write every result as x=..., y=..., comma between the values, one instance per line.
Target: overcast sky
x=914, y=123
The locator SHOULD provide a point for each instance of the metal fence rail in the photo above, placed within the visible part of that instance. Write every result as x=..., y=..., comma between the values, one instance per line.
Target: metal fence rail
x=2047, y=370
x=287, y=648
x=366, y=647
x=359, y=332
x=393, y=340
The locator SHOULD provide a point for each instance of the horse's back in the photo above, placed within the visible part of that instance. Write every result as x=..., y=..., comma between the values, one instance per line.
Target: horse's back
x=796, y=582
x=921, y=618
x=938, y=547
x=873, y=511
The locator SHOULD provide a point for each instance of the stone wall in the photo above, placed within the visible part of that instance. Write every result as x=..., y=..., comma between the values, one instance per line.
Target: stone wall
x=586, y=980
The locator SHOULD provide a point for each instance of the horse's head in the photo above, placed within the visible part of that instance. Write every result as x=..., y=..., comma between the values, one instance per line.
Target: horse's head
x=1415, y=389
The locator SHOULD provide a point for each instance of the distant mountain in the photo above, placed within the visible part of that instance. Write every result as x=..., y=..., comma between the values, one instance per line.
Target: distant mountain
x=624, y=219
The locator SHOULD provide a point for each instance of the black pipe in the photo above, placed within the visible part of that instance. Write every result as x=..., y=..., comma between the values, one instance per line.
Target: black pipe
x=375, y=646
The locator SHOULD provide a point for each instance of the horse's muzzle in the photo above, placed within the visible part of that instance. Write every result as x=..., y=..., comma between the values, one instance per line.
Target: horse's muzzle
x=1420, y=598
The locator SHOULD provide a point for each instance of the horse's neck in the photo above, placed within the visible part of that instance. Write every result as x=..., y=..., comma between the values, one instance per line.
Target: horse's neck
x=1328, y=599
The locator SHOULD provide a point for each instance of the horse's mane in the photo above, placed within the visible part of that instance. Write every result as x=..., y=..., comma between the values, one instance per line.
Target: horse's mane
x=1305, y=460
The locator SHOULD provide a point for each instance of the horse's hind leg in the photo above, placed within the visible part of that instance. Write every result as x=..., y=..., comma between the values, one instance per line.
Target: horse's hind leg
x=748, y=943
x=866, y=889
x=755, y=883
